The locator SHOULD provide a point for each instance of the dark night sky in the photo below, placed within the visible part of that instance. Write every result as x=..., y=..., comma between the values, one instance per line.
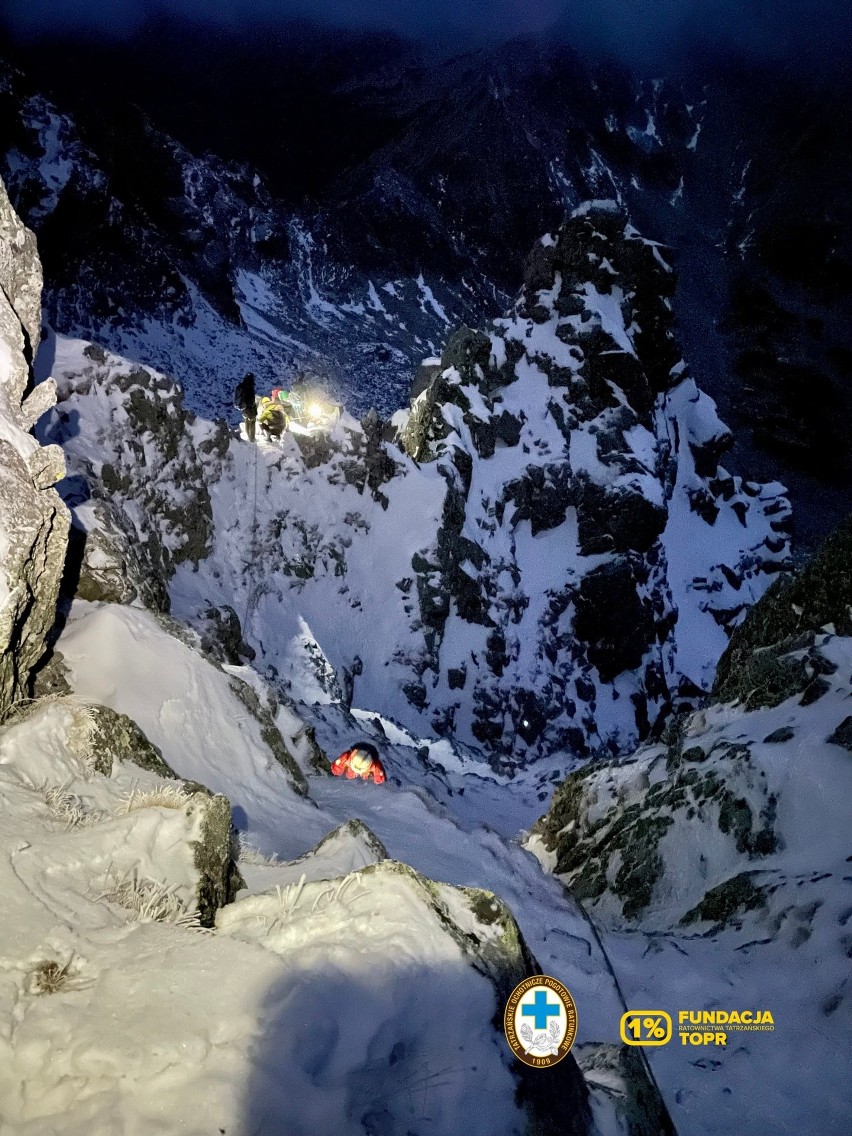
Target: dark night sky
x=487, y=17
x=647, y=33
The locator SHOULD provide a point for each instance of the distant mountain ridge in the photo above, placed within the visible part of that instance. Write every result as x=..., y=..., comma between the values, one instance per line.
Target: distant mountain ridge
x=368, y=197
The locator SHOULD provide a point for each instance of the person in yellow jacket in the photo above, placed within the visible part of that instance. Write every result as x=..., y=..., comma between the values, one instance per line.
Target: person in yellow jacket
x=271, y=417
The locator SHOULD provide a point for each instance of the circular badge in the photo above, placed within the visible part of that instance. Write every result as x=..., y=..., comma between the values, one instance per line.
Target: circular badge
x=540, y=1021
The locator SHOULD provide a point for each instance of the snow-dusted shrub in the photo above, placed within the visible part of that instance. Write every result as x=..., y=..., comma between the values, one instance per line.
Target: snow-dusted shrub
x=81, y=734
x=289, y=899
x=151, y=901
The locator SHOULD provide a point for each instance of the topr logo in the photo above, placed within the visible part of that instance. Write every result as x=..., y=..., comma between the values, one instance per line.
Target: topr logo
x=540, y=1021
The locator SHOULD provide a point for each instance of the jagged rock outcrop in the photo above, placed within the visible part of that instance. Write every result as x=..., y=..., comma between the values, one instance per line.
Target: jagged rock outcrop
x=112, y=738
x=113, y=566
x=719, y=819
x=142, y=468
x=593, y=555
x=33, y=520
x=772, y=654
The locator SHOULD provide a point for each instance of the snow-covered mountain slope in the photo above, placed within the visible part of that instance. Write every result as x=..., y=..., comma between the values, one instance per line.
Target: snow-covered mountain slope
x=328, y=1004
x=332, y=991
x=219, y=276
x=719, y=859
x=113, y=851
x=138, y=996
x=556, y=563
x=593, y=552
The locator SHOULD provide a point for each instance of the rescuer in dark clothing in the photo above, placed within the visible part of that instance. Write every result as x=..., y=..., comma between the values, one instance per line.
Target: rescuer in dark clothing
x=244, y=401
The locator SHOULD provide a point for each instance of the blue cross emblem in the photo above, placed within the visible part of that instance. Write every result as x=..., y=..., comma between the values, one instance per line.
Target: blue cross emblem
x=540, y=1009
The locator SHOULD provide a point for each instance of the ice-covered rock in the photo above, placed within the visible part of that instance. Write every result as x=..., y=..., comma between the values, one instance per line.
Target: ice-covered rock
x=33, y=520
x=132, y=830
x=347, y=849
x=139, y=487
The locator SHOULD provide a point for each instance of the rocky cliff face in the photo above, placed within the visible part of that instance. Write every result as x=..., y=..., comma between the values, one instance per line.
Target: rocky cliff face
x=33, y=519
x=593, y=554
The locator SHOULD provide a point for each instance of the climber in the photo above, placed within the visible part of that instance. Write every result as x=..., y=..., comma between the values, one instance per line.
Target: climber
x=272, y=417
x=281, y=394
x=360, y=761
x=288, y=400
x=244, y=401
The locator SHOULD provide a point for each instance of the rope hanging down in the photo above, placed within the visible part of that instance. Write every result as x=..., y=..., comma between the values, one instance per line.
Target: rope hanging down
x=251, y=590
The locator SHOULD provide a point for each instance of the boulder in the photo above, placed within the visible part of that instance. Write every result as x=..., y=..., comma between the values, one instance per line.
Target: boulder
x=114, y=566
x=114, y=738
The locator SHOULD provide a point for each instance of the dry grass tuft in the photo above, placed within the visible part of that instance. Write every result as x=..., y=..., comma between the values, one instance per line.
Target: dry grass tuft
x=150, y=901
x=163, y=797
x=80, y=731
x=81, y=734
x=67, y=807
x=50, y=977
x=252, y=856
